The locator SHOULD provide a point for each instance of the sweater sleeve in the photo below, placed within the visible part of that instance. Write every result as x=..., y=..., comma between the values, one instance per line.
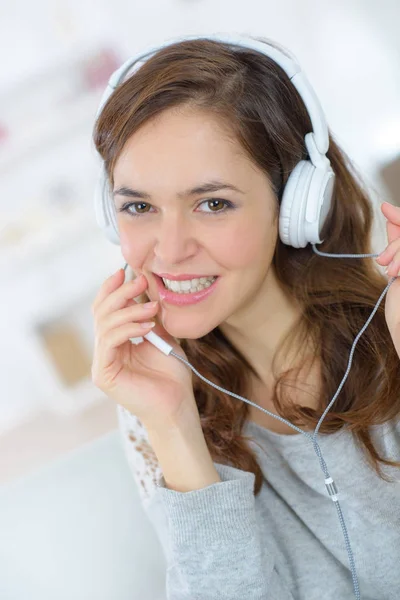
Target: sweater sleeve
x=210, y=537
x=214, y=546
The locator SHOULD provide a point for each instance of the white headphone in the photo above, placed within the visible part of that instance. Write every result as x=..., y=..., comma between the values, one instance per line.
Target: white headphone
x=308, y=192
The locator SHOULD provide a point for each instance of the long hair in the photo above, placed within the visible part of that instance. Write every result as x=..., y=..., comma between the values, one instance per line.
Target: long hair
x=254, y=96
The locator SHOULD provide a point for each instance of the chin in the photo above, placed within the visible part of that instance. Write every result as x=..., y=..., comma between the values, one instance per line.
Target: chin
x=177, y=328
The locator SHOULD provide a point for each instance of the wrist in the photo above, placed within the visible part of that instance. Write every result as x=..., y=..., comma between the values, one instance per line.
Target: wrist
x=183, y=455
x=187, y=418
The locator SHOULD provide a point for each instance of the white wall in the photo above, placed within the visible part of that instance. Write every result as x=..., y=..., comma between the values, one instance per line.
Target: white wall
x=348, y=49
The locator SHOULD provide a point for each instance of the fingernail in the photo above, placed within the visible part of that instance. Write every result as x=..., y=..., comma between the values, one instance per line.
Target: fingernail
x=150, y=304
x=148, y=325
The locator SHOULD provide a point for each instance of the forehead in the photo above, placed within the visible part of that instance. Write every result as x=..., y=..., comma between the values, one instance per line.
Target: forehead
x=181, y=143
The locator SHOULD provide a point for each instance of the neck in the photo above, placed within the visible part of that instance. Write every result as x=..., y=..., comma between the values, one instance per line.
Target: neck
x=258, y=328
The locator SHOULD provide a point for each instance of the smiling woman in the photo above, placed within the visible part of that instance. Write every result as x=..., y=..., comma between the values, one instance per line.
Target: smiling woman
x=276, y=327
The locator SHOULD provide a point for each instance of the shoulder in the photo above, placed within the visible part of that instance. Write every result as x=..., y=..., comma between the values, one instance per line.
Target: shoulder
x=386, y=439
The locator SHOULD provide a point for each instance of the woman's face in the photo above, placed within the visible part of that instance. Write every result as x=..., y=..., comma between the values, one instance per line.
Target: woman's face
x=176, y=232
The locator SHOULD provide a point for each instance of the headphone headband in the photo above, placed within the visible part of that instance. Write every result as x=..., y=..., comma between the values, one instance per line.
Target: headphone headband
x=283, y=57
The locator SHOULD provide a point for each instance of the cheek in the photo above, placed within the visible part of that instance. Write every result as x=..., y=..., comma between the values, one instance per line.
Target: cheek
x=126, y=244
x=244, y=245
x=132, y=250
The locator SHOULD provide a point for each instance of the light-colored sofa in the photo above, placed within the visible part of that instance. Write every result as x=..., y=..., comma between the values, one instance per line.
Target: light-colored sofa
x=76, y=530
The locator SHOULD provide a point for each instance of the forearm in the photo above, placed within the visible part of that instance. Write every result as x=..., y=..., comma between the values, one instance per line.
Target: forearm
x=183, y=456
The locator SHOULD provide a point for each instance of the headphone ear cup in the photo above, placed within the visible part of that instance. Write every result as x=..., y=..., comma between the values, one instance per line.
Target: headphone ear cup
x=104, y=209
x=293, y=205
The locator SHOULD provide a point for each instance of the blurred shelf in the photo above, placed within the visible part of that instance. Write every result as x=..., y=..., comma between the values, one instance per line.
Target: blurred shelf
x=51, y=238
x=48, y=131
x=45, y=110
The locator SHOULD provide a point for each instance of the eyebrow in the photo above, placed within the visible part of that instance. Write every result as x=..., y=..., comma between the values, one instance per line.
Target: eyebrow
x=205, y=188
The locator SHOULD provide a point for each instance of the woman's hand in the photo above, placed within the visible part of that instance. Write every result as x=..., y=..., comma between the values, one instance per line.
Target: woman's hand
x=151, y=385
x=390, y=257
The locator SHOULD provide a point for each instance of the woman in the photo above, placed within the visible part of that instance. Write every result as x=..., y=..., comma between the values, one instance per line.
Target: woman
x=198, y=145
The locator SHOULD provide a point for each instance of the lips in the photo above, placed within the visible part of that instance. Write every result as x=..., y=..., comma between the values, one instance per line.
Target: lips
x=180, y=299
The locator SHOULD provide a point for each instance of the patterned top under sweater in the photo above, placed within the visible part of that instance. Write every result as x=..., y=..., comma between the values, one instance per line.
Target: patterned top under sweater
x=142, y=460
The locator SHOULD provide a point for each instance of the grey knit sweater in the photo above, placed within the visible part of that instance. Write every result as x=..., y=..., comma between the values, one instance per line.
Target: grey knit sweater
x=223, y=543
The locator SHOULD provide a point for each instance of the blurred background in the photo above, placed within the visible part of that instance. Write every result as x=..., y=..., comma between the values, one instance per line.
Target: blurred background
x=57, y=58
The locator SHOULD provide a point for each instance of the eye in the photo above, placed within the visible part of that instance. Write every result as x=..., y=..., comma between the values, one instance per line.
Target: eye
x=228, y=206
x=220, y=202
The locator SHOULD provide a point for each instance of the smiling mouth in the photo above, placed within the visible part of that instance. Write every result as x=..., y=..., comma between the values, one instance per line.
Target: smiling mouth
x=189, y=287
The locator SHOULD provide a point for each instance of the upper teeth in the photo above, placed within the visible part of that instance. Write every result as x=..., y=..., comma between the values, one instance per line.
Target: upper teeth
x=188, y=284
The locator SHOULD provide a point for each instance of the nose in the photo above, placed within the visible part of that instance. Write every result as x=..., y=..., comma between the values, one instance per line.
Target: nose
x=175, y=240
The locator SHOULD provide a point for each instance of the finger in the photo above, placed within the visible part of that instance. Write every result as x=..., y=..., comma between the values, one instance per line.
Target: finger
x=393, y=231
x=108, y=346
x=391, y=212
x=119, y=297
x=109, y=285
x=394, y=267
x=130, y=314
x=388, y=254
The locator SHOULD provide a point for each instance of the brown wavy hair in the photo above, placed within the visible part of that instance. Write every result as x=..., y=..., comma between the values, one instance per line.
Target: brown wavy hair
x=254, y=96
